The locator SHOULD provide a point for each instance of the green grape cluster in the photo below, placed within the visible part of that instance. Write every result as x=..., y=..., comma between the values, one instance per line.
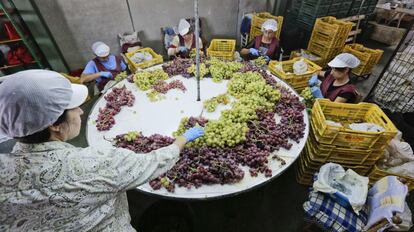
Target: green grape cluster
x=181, y=128
x=132, y=135
x=194, y=51
x=203, y=70
x=239, y=114
x=308, y=97
x=260, y=61
x=220, y=70
x=121, y=76
x=221, y=133
x=237, y=86
x=155, y=96
x=211, y=104
x=146, y=79
x=255, y=102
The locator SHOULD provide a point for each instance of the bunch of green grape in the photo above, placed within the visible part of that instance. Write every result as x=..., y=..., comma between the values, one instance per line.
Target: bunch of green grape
x=239, y=114
x=220, y=70
x=308, y=97
x=221, y=133
x=155, y=96
x=194, y=51
x=146, y=79
x=132, y=135
x=211, y=104
x=121, y=76
x=203, y=70
x=260, y=61
x=255, y=102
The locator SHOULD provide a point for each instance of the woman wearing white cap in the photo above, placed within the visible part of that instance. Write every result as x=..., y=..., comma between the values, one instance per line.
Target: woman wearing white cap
x=336, y=84
x=47, y=184
x=182, y=43
x=104, y=67
x=266, y=45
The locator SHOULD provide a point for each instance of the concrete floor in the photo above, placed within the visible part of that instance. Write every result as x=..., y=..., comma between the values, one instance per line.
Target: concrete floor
x=277, y=206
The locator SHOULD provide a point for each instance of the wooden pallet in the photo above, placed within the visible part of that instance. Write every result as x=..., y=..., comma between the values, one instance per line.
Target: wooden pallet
x=355, y=30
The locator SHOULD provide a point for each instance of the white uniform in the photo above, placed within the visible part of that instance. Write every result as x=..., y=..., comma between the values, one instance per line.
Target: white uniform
x=55, y=186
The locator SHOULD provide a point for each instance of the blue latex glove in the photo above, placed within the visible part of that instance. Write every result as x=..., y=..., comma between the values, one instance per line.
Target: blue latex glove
x=193, y=133
x=182, y=49
x=169, y=31
x=316, y=92
x=313, y=81
x=267, y=58
x=106, y=74
x=254, y=51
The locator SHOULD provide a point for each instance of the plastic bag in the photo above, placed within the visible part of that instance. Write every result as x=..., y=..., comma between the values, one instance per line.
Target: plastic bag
x=344, y=186
x=406, y=169
x=332, y=123
x=366, y=126
x=300, y=67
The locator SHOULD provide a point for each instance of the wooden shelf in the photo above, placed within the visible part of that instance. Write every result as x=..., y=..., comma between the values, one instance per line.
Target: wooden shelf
x=17, y=65
x=10, y=41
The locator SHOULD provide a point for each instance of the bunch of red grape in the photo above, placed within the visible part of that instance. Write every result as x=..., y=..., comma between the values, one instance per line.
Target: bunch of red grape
x=178, y=66
x=164, y=87
x=138, y=143
x=117, y=98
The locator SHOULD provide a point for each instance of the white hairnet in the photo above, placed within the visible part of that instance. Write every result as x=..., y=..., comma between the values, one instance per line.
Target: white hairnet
x=344, y=60
x=32, y=100
x=100, y=49
x=269, y=24
x=183, y=27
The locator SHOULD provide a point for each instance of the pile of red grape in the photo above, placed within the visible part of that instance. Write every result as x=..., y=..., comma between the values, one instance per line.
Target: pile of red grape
x=142, y=144
x=164, y=87
x=114, y=101
x=178, y=66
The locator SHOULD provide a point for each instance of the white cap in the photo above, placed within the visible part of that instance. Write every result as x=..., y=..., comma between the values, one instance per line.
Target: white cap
x=183, y=27
x=344, y=60
x=269, y=24
x=32, y=100
x=100, y=49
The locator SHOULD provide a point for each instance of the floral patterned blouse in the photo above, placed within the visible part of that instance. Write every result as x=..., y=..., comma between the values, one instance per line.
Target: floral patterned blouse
x=55, y=186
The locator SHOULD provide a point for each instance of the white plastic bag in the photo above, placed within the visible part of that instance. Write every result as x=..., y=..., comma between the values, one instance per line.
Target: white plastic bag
x=366, y=126
x=300, y=67
x=332, y=123
x=333, y=178
x=406, y=169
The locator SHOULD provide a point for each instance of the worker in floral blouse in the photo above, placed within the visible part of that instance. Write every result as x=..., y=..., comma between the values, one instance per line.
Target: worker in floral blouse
x=47, y=184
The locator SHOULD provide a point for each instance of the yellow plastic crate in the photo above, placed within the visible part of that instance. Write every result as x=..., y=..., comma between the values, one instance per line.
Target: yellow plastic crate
x=156, y=59
x=341, y=155
x=368, y=57
x=257, y=21
x=297, y=81
x=222, y=49
x=333, y=27
x=327, y=54
x=377, y=173
x=327, y=40
x=345, y=113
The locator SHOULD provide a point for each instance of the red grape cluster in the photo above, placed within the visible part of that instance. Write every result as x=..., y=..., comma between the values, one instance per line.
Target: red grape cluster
x=114, y=101
x=163, y=86
x=178, y=66
x=143, y=144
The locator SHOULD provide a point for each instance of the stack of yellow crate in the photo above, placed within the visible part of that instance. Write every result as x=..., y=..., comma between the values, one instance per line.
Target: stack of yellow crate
x=368, y=57
x=353, y=149
x=328, y=37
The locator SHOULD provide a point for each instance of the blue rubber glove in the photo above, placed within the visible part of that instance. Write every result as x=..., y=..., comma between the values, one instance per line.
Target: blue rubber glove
x=267, y=58
x=313, y=81
x=316, y=92
x=182, y=49
x=193, y=133
x=106, y=74
x=254, y=51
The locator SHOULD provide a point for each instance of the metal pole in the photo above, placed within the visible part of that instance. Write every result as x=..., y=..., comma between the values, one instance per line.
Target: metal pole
x=197, y=48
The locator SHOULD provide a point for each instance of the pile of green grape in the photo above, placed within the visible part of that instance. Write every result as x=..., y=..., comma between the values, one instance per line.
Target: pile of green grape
x=211, y=104
x=221, y=133
x=308, y=97
x=132, y=135
x=121, y=76
x=203, y=70
x=220, y=70
x=194, y=51
x=146, y=79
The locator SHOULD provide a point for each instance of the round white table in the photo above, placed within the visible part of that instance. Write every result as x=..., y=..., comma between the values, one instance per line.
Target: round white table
x=163, y=117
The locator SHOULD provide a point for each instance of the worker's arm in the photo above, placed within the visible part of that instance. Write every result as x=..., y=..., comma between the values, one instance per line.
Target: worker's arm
x=89, y=77
x=245, y=51
x=321, y=74
x=173, y=49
